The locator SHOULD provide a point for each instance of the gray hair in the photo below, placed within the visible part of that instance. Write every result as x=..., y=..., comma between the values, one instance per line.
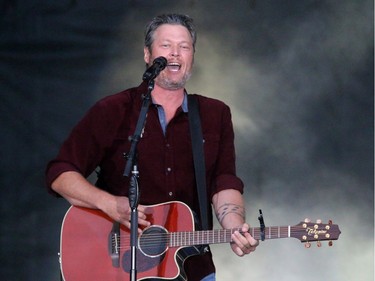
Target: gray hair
x=177, y=19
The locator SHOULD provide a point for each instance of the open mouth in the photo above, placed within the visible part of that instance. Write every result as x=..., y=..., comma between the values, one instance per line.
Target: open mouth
x=173, y=66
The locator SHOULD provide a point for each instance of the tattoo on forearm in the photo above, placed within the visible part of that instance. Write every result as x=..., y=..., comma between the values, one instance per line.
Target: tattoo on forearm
x=229, y=208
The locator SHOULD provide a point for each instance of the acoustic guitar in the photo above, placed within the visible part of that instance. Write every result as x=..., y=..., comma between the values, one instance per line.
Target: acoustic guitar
x=95, y=248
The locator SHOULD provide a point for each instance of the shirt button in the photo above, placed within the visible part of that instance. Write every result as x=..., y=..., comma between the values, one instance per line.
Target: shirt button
x=169, y=169
x=170, y=193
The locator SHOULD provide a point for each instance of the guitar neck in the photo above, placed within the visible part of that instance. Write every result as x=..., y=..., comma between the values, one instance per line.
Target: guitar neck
x=218, y=236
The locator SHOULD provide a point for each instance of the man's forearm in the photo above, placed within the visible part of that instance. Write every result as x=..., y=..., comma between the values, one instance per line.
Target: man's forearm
x=229, y=208
x=78, y=191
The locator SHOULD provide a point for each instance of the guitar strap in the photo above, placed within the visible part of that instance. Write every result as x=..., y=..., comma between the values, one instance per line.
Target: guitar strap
x=198, y=155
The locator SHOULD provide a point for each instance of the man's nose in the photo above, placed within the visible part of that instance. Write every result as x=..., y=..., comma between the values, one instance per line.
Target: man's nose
x=175, y=51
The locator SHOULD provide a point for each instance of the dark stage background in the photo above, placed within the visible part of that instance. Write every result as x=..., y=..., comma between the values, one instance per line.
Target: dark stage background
x=298, y=76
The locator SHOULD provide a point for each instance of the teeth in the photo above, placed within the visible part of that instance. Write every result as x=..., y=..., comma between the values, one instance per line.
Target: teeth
x=174, y=65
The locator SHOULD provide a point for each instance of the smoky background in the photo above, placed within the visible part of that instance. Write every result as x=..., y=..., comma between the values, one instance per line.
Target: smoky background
x=298, y=76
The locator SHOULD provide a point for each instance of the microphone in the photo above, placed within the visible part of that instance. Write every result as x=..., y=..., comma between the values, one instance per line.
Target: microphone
x=158, y=65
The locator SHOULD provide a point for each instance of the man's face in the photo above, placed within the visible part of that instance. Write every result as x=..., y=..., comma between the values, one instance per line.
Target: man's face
x=175, y=44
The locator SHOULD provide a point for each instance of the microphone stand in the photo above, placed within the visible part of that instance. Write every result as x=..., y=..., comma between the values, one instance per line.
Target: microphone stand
x=133, y=185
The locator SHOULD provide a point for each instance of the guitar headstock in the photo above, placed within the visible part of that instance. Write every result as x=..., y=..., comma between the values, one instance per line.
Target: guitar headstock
x=308, y=232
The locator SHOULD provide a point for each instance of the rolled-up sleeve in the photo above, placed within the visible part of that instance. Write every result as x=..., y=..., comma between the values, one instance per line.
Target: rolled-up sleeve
x=229, y=182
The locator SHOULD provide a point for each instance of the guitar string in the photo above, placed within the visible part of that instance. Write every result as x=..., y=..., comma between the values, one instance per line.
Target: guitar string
x=273, y=233
x=192, y=238
x=153, y=244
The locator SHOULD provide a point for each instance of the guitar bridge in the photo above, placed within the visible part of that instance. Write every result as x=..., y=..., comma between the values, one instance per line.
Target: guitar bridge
x=114, y=244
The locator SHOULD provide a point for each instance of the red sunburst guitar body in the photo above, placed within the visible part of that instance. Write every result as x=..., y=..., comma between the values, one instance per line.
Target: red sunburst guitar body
x=86, y=245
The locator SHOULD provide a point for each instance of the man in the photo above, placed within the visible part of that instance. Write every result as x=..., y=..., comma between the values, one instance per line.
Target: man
x=164, y=152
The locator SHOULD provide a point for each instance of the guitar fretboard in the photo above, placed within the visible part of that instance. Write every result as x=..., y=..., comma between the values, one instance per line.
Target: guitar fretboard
x=217, y=236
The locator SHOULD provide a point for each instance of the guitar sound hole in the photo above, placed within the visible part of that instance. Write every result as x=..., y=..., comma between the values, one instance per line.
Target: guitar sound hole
x=153, y=241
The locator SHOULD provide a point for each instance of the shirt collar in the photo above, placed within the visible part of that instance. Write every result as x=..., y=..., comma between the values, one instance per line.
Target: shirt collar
x=184, y=104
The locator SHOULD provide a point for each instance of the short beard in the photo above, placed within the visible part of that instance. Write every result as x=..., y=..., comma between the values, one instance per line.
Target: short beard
x=173, y=85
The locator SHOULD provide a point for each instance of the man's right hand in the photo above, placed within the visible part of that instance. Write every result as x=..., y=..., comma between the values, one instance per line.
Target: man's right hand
x=79, y=192
x=120, y=211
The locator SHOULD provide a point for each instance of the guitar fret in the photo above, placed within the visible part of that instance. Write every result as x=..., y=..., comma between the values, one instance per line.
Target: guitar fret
x=202, y=237
x=269, y=232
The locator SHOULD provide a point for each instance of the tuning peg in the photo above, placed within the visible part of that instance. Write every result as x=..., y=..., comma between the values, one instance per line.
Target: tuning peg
x=319, y=244
x=318, y=221
x=307, y=245
x=307, y=220
x=330, y=243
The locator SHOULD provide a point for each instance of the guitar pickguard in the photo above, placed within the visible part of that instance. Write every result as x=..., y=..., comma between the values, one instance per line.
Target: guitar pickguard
x=144, y=263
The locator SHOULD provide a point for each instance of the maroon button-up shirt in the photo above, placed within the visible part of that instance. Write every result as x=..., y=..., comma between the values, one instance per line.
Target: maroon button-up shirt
x=165, y=161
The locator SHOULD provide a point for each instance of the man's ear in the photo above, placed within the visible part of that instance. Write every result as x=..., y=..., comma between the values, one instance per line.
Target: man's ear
x=147, y=55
